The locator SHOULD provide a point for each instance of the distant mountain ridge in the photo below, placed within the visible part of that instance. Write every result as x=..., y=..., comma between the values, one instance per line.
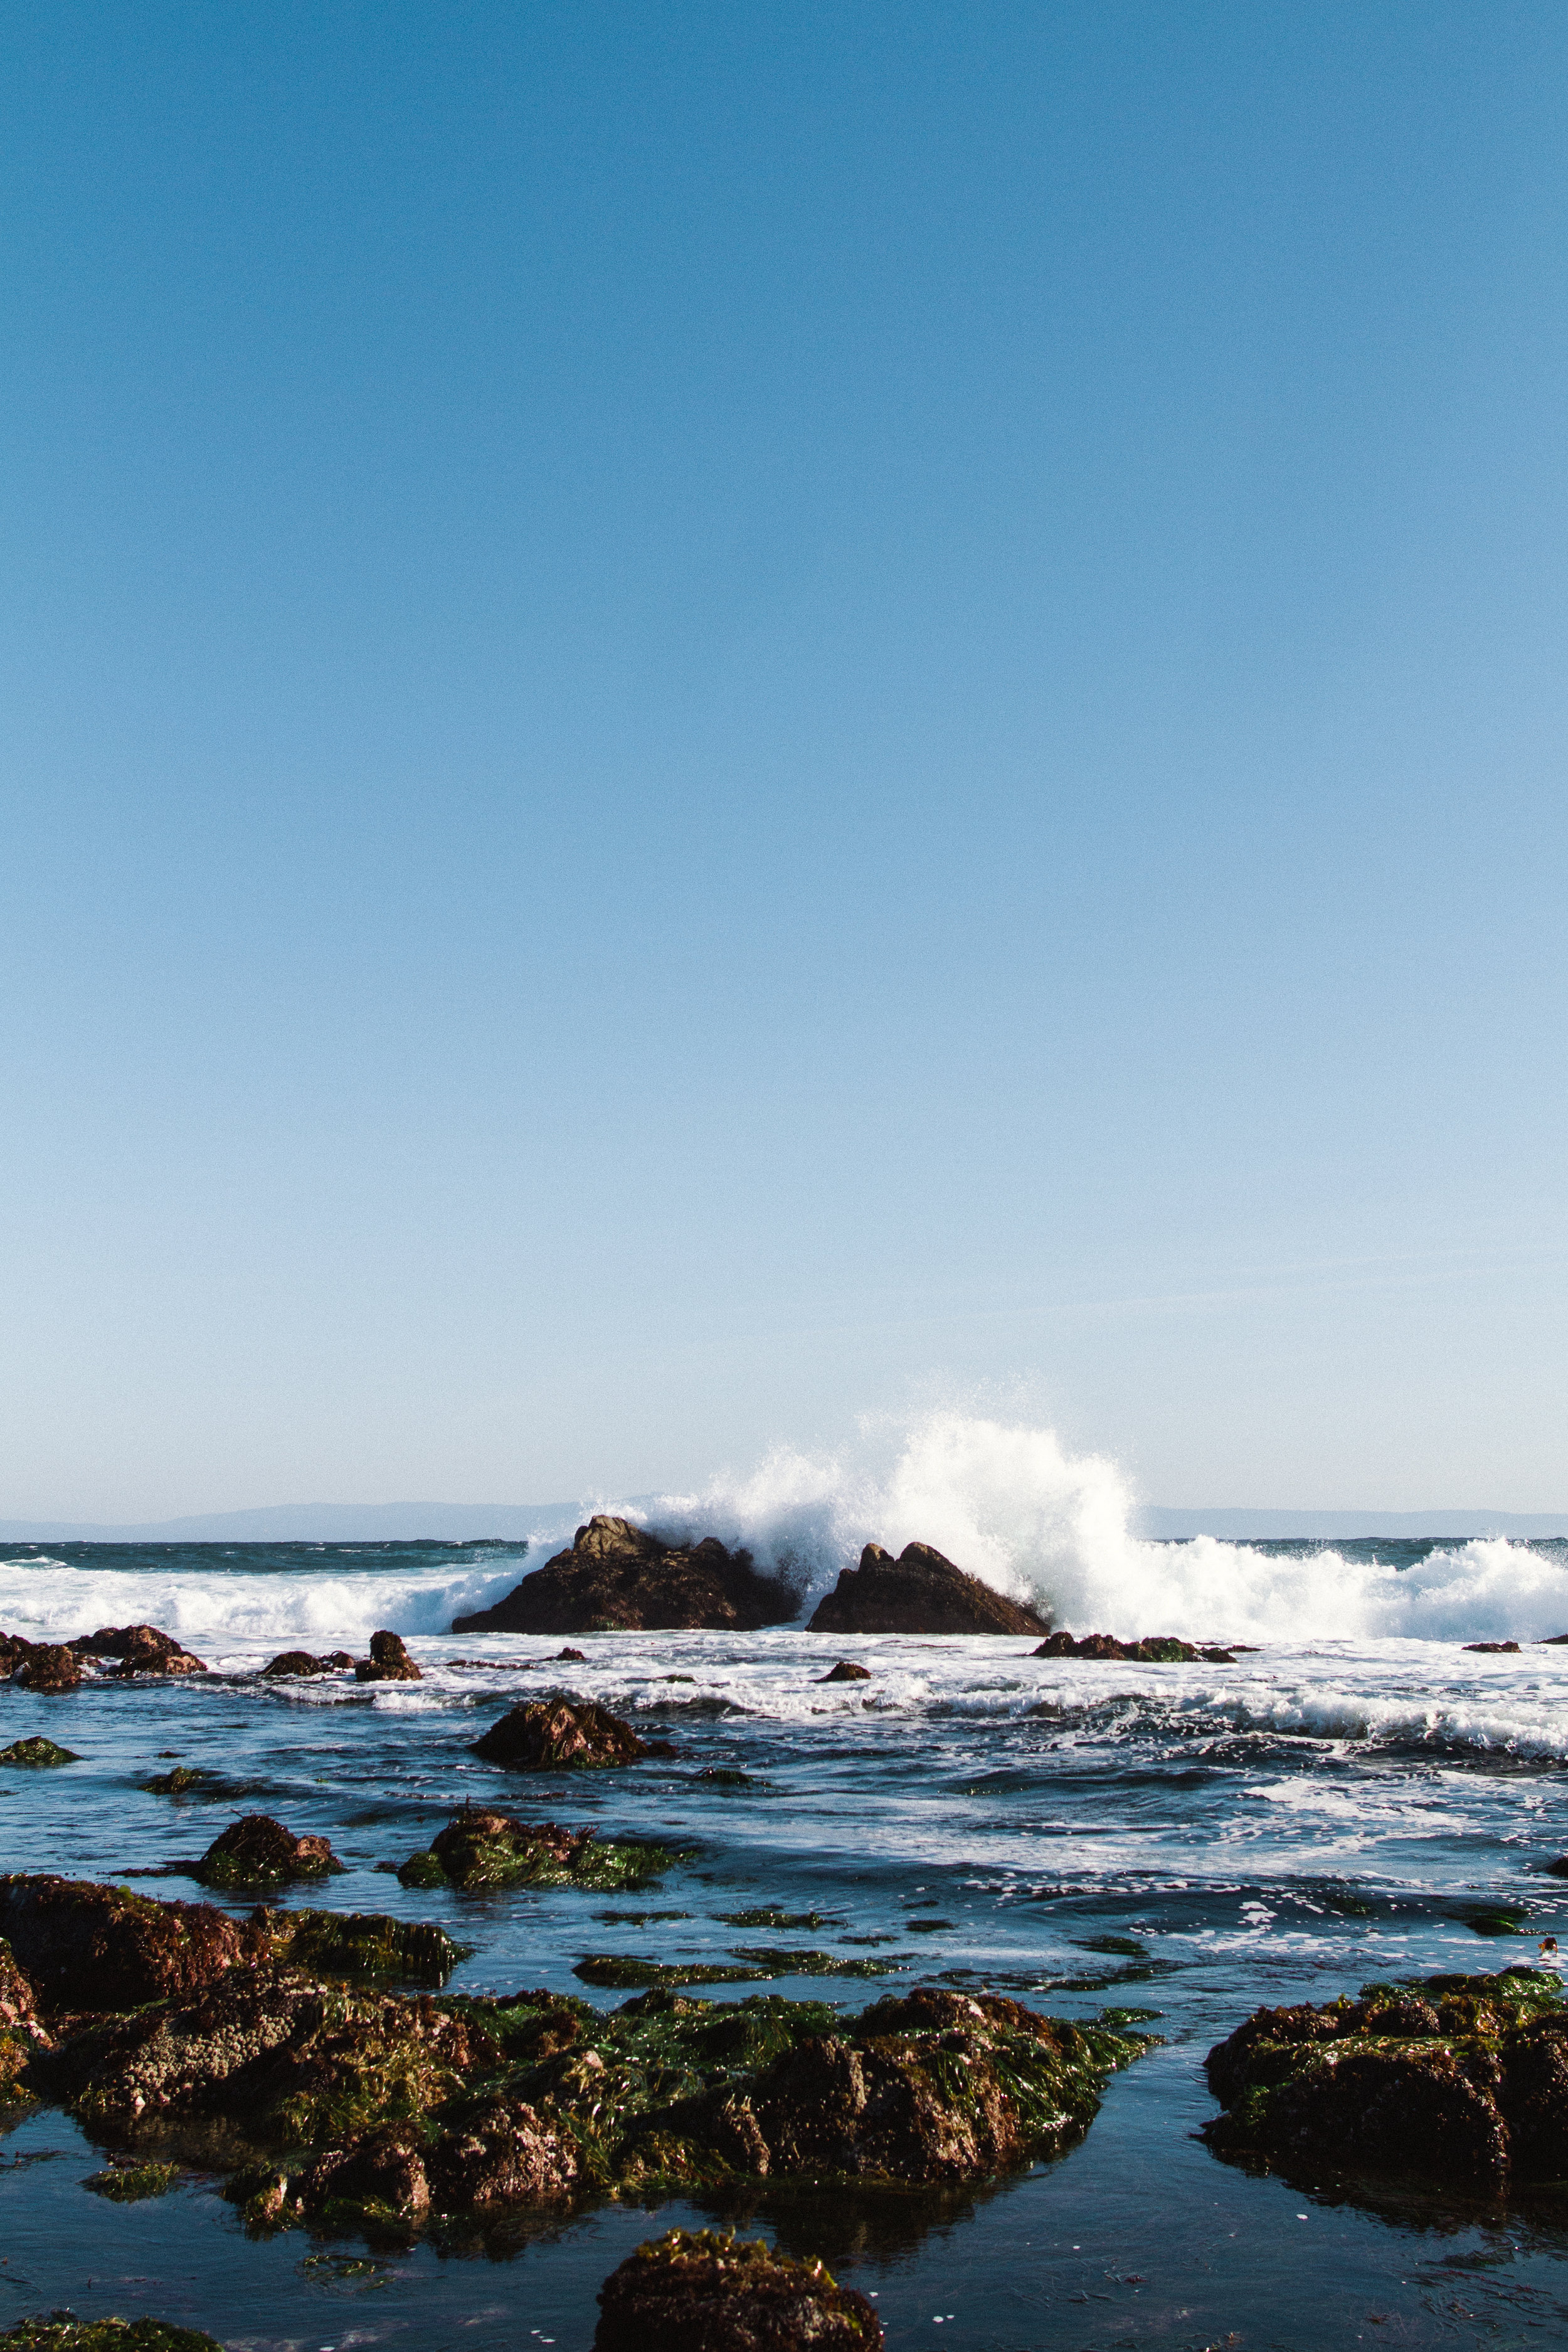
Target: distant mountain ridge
x=511, y=1522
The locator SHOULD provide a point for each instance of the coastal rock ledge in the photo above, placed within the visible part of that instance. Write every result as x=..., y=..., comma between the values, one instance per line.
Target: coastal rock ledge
x=618, y=1578
x=920, y=1592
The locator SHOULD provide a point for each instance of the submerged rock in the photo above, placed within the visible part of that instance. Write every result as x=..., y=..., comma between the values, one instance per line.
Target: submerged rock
x=359, y=1944
x=919, y=1592
x=477, y=1851
x=1494, y=1649
x=1154, y=1649
x=847, y=1671
x=131, y=2184
x=256, y=1850
x=290, y=1664
x=554, y=1735
x=38, y=1755
x=62, y=2331
x=388, y=1662
x=50, y=1668
x=140, y=1649
x=700, y=2291
x=1460, y=2080
x=618, y=1577
x=95, y=1947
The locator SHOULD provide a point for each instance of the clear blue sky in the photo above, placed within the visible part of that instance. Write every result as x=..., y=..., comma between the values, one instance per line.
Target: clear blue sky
x=722, y=716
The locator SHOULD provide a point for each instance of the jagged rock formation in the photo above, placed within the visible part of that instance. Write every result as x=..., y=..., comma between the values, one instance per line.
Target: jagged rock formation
x=699, y=2292
x=140, y=1649
x=1460, y=2080
x=617, y=1577
x=388, y=1662
x=48, y=1668
x=556, y=1735
x=919, y=1592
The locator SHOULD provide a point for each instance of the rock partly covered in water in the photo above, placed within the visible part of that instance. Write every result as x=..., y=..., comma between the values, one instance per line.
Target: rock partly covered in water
x=618, y=1577
x=139, y=1650
x=62, y=2331
x=38, y=1755
x=47, y=1667
x=1494, y=1649
x=919, y=1592
x=291, y=1666
x=257, y=1852
x=374, y=2110
x=1153, y=1649
x=700, y=2291
x=1461, y=2080
x=388, y=1662
x=556, y=1735
x=480, y=1849
x=846, y=1671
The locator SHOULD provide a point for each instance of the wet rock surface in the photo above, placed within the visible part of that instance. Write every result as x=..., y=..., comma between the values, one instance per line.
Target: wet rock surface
x=257, y=1851
x=291, y=1666
x=1461, y=2081
x=347, y=2106
x=50, y=1668
x=701, y=2292
x=920, y=1592
x=38, y=1755
x=1153, y=1649
x=62, y=2331
x=139, y=1650
x=618, y=1576
x=480, y=1849
x=388, y=1662
x=847, y=1671
x=556, y=1735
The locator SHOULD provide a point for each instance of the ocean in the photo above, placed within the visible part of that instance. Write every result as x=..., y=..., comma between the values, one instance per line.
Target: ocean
x=1342, y=1803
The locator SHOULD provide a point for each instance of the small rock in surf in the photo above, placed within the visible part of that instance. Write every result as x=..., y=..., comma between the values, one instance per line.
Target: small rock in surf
x=701, y=2289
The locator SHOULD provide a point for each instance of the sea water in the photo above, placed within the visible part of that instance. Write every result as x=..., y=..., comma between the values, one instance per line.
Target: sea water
x=1339, y=1804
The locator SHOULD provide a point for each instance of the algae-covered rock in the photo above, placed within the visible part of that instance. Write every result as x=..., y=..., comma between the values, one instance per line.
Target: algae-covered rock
x=38, y=1755
x=477, y=1851
x=753, y=1964
x=101, y=1947
x=181, y=1780
x=701, y=2292
x=1459, y=2080
x=62, y=2331
x=388, y=1662
x=361, y=1944
x=131, y=2184
x=556, y=1735
x=256, y=1850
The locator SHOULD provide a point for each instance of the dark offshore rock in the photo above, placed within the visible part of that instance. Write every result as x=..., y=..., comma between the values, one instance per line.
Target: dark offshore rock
x=554, y=1735
x=388, y=1662
x=14, y=1648
x=1462, y=2080
x=256, y=1850
x=289, y=1664
x=477, y=1851
x=700, y=2291
x=1154, y=1649
x=61, y=2331
x=617, y=1577
x=38, y=1753
x=97, y=1948
x=919, y=1592
x=847, y=1671
x=1494, y=1649
x=50, y=1668
x=140, y=1650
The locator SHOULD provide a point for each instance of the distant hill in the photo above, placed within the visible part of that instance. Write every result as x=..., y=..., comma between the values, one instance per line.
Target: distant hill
x=1155, y=1519
x=313, y=1523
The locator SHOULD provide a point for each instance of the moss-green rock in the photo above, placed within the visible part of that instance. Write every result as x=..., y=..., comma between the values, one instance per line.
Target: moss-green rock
x=480, y=1851
x=129, y=2184
x=364, y=1944
x=61, y=2331
x=38, y=1755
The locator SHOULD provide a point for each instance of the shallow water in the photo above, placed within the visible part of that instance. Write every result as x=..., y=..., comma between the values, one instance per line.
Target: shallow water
x=1287, y=1827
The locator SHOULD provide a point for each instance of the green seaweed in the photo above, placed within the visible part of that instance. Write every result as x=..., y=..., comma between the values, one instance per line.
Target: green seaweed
x=129, y=2184
x=365, y=1944
x=38, y=1753
x=61, y=2331
x=182, y=1777
x=770, y=1916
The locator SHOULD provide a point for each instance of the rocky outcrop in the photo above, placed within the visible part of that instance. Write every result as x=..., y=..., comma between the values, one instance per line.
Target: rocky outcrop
x=619, y=1578
x=1494, y=1649
x=63, y=2332
x=477, y=1851
x=563, y=1734
x=846, y=1671
x=257, y=1852
x=919, y=1592
x=290, y=1665
x=50, y=1668
x=388, y=1662
x=38, y=1755
x=140, y=1650
x=373, y=2110
x=1154, y=1649
x=14, y=1648
x=95, y=1947
x=1457, y=2080
x=700, y=2291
